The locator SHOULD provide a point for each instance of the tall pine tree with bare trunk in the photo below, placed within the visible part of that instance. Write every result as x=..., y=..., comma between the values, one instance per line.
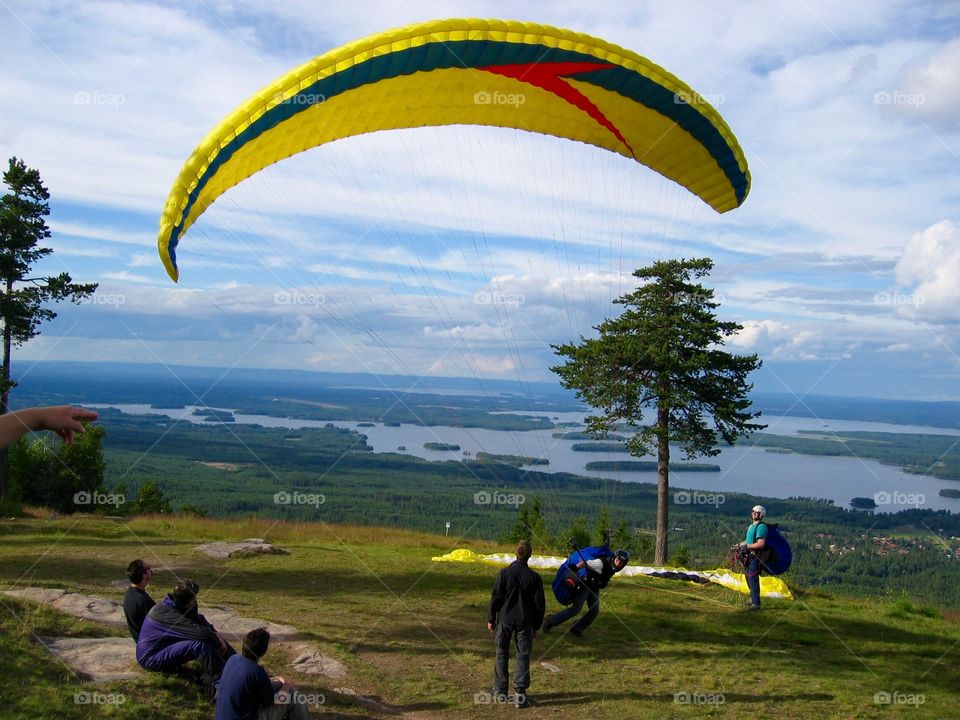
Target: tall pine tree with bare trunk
x=23, y=299
x=664, y=356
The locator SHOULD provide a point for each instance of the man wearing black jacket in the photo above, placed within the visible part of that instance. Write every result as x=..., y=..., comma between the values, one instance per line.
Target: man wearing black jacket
x=516, y=612
x=137, y=601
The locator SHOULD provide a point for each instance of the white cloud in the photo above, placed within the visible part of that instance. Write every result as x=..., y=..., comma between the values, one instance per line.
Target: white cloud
x=68, y=251
x=401, y=231
x=483, y=333
x=307, y=330
x=931, y=88
x=124, y=276
x=777, y=340
x=930, y=267
x=101, y=234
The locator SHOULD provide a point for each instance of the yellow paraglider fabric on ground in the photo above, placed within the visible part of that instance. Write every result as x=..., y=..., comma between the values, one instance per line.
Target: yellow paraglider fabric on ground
x=471, y=72
x=460, y=555
x=770, y=586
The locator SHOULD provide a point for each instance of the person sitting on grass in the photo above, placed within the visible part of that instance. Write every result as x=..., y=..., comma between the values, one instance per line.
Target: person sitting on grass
x=248, y=693
x=137, y=601
x=174, y=634
x=194, y=613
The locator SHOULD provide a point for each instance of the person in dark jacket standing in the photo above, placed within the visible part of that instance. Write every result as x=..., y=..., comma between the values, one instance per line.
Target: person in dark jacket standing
x=516, y=612
x=173, y=634
x=137, y=601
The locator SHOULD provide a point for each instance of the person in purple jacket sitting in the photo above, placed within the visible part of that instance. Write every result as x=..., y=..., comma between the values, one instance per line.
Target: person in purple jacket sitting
x=248, y=693
x=173, y=633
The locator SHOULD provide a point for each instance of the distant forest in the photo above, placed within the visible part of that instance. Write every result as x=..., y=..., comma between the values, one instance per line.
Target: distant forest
x=244, y=389
x=235, y=469
x=230, y=469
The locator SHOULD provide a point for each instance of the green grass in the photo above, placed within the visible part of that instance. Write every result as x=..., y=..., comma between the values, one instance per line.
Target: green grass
x=412, y=632
x=38, y=686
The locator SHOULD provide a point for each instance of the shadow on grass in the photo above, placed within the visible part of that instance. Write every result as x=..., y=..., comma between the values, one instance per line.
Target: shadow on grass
x=431, y=609
x=583, y=698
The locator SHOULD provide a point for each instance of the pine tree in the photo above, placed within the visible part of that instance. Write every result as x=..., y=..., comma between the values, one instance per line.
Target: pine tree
x=22, y=298
x=538, y=526
x=603, y=531
x=663, y=355
x=521, y=529
x=150, y=499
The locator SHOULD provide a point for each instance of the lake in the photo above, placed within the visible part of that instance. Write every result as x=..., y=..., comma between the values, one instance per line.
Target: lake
x=743, y=468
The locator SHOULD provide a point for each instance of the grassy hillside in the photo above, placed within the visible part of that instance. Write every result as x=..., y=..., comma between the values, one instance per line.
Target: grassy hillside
x=412, y=632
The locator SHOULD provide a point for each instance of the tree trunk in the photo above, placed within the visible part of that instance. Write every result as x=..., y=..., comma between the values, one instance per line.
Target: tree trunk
x=5, y=369
x=5, y=394
x=663, y=485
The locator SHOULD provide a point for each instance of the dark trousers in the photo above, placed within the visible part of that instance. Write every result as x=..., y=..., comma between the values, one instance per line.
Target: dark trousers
x=752, y=572
x=175, y=654
x=584, y=595
x=523, y=637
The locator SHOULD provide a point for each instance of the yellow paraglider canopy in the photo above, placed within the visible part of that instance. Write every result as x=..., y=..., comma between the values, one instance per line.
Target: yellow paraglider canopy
x=472, y=72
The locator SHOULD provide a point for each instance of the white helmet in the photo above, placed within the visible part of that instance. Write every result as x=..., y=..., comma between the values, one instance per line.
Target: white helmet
x=760, y=509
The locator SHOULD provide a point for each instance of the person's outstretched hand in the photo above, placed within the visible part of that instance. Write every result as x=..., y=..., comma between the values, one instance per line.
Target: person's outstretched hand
x=64, y=420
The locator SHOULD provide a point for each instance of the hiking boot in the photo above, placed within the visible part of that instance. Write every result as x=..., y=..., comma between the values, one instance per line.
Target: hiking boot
x=521, y=701
x=575, y=632
x=547, y=627
x=751, y=606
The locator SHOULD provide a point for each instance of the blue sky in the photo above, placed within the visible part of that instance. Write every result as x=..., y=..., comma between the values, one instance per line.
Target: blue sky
x=468, y=251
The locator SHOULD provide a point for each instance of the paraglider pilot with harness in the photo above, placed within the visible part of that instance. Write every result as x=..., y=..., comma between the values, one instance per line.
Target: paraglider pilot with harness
x=579, y=580
x=754, y=554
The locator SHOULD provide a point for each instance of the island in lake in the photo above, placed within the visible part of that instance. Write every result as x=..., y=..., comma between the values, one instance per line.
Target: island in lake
x=224, y=416
x=442, y=447
x=599, y=447
x=580, y=435
x=648, y=466
x=515, y=460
